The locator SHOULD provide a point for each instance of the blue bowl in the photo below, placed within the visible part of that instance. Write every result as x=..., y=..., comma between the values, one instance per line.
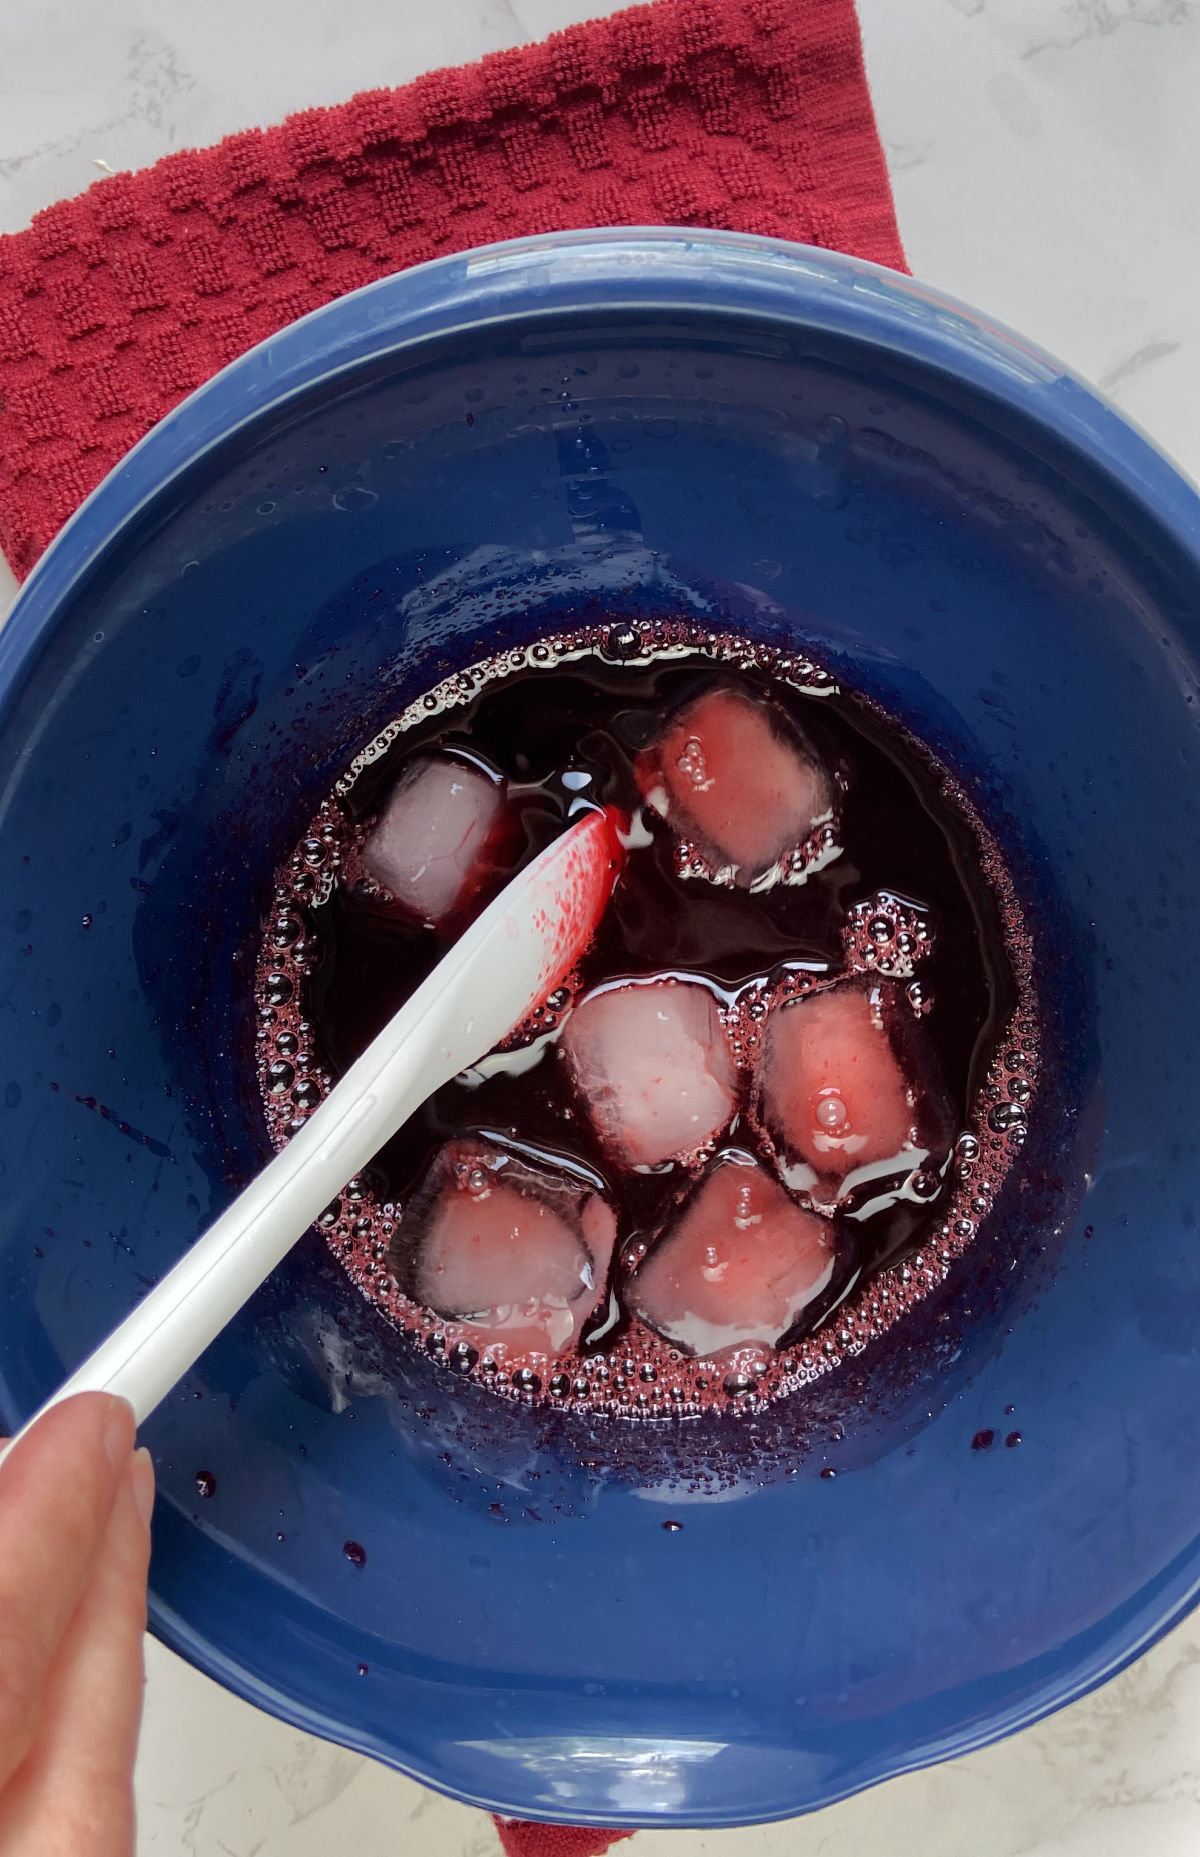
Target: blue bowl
x=465, y=455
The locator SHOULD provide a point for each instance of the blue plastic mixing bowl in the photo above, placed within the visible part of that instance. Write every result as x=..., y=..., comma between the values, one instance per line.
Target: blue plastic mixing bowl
x=466, y=455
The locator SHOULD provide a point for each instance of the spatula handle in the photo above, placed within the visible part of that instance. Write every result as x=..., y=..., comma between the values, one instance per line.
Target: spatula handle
x=509, y=958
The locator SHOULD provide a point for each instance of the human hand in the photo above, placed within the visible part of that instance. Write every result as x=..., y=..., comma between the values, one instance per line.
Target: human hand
x=75, y=1505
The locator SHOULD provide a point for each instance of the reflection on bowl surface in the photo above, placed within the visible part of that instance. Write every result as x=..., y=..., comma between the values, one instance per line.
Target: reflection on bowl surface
x=732, y=1619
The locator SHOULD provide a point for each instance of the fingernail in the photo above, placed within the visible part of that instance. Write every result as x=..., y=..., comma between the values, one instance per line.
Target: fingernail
x=142, y=1477
x=118, y=1432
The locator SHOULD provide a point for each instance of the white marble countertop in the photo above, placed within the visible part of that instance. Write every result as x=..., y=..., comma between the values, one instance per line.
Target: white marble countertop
x=1046, y=156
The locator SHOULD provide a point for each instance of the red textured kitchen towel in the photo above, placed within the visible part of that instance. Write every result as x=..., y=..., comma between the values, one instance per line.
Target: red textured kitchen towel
x=521, y=1839
x=747, y=114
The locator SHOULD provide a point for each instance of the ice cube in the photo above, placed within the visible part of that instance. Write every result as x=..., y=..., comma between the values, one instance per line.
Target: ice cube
x=732, y=774
x=517, y=1253
x=429, y=847
x=741, y=1263
x=654, y=1067
x=849, y=1081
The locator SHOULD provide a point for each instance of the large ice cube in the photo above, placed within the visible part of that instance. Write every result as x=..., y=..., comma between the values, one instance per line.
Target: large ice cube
x=517, y=1253
x=731, y=773
x=429, y=847
x=652, y=1063
x=848, y=1081
x=740, y=1265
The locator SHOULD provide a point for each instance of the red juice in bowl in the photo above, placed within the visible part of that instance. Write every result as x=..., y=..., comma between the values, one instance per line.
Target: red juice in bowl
x=780, y=1093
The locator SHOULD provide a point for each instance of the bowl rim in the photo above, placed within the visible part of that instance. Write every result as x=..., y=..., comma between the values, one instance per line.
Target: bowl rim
x=644, y=268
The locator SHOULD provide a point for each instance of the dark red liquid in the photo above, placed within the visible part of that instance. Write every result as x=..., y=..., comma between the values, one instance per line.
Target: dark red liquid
x=336, y=965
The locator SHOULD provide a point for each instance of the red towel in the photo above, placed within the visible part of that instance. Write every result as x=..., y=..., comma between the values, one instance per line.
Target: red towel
x=747, y=114
x=521, y=1839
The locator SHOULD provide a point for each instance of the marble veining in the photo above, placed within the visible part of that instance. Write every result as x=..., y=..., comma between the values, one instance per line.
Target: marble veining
x=1087, y=19
x=1132, y=364
x=146, y=91
x=1044, y=154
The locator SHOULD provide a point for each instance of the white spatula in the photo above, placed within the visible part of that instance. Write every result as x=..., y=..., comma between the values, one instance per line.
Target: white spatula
x=515, y=953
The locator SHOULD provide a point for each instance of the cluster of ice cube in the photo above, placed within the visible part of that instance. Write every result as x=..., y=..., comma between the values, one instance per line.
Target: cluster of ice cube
x=729, y=774
x=842, y=1086
x=845, y=1090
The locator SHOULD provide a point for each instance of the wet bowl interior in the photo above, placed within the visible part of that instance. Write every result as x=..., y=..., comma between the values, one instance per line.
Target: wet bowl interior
x=465, y=456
